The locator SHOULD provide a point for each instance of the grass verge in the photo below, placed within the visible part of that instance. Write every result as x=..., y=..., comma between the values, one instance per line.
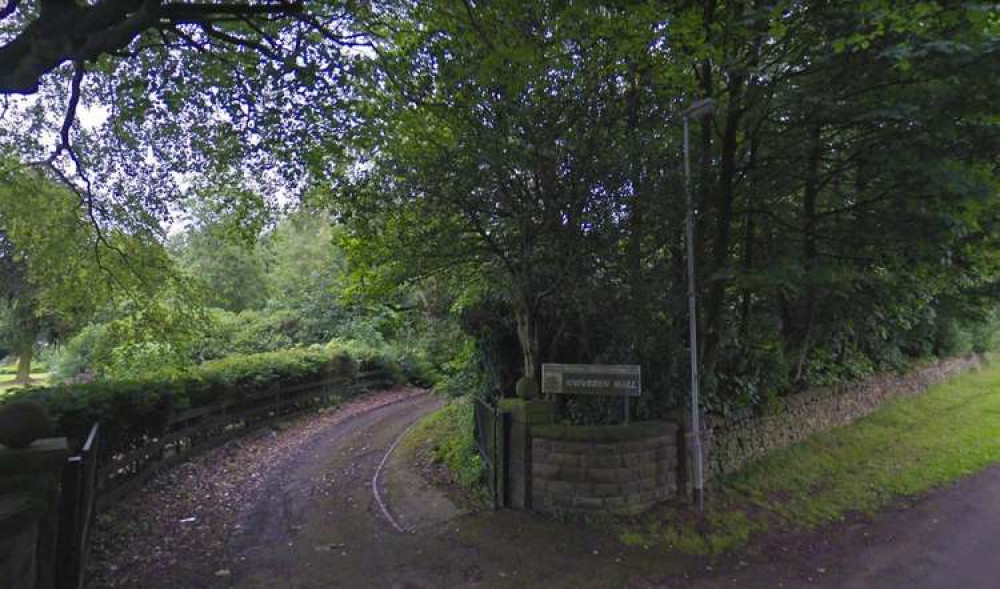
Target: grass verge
x=905, y=448
x=444, y=447
x=7, y=381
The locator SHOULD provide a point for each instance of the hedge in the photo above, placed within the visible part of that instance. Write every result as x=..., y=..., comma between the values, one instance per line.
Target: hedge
x=133, y=410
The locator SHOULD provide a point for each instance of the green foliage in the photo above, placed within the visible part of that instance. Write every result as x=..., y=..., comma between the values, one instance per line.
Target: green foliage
x=254, y=371
x=292, y=273
x=232, y=276
x=464, y=374
x=152, y=338
x=517, y=166
x=531, y=157
x=60, y=267
x=88, y=348
x=370, y=355
x=248, y=332
x=904, y=449
x=135, y=408
x=137, y=360
x=448, y=436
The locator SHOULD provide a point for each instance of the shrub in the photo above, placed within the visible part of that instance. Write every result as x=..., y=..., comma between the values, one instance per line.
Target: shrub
x=86, y=349
x=448, y=436
x=370, y=356
x=132, y=410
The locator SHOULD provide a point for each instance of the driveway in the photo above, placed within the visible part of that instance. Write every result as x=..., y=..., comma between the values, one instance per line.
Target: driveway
x=296, y=508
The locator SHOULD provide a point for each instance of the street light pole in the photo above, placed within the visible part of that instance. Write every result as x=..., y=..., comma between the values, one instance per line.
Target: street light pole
x=700, y=109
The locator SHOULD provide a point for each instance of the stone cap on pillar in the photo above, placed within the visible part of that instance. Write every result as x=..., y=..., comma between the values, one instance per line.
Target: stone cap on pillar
x=533, y=412
x=44, y=454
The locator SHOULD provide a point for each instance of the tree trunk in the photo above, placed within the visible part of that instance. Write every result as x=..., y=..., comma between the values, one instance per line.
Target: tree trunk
x=749, y=244
x=637, y=286
x=25, y=353
x=750, y=230
x=715, y=304
x=809, y=246
x=527, y=336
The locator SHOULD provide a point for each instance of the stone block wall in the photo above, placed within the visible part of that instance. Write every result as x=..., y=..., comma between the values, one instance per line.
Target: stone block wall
x=732, y=442
x=621, y=470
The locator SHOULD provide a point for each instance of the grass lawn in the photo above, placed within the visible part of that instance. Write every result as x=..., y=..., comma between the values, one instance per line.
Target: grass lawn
x=906, y=448
x=6, y=381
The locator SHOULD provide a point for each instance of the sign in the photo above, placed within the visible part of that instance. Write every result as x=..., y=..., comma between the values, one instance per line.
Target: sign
x=591, y=379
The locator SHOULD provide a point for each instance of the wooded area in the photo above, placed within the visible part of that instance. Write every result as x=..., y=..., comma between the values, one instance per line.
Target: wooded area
x=511, y=171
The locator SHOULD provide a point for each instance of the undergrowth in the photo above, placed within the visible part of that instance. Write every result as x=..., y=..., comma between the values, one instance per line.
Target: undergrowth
x=446, y=437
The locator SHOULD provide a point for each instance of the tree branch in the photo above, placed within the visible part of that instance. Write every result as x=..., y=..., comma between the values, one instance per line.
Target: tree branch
x=69, y=32
x=71, y=106
x=9, y=9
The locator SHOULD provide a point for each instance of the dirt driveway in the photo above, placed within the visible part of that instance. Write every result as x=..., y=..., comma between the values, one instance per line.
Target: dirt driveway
x=296, y=509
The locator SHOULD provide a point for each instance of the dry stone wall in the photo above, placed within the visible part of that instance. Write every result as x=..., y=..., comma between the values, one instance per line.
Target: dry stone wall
x=627, y=469
x=731, y=442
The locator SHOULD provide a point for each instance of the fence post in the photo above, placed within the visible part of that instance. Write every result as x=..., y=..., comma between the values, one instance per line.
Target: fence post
x=67, y=551
x=29, y=498
x=79, y=479
x=500, y=466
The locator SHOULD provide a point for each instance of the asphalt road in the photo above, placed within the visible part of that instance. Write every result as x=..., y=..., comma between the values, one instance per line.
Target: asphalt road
x=319, y=524
x=949, y=539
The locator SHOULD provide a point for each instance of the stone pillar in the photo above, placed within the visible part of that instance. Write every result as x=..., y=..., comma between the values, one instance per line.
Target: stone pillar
x=523, y=415
x=30, y=481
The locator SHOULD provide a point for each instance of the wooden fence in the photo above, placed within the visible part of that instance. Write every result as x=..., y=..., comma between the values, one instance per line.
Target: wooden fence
x=97, y=476
x=191, y=432
x=76, y=513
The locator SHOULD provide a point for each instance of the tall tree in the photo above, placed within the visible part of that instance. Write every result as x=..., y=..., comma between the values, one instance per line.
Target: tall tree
x=58, y=267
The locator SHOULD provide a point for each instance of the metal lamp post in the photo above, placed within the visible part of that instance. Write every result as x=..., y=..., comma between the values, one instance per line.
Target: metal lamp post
x=700, y=109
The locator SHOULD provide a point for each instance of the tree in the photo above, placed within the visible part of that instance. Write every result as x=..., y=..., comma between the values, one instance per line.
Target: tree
x=306, y=274
x=485, y=157
x=53, y=32
x=536, y=151
x=19, y=324
x=219, y=248
x=196, y=94
x=58, y=268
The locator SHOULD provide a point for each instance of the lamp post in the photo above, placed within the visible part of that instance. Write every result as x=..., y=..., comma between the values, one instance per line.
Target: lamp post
x=700, y=109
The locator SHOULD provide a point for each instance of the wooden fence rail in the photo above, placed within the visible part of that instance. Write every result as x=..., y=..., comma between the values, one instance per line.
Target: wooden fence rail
x=99, y=474
x=194, y=431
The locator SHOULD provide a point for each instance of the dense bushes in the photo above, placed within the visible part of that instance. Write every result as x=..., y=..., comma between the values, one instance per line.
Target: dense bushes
x=110, y=351
x=131, y=409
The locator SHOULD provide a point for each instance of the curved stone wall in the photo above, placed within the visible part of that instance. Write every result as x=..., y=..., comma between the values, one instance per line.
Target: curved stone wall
x=609, y=469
